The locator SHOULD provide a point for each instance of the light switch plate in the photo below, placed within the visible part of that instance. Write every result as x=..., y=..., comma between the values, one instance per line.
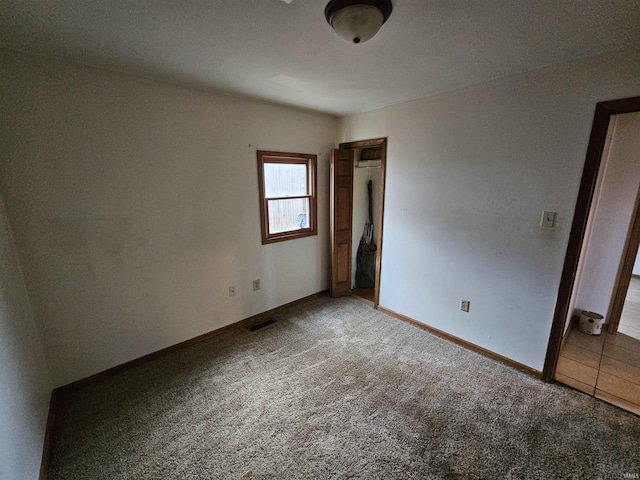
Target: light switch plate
x=548, y=219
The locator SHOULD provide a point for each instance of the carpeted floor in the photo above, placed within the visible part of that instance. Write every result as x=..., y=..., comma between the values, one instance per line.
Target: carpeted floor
x=337, y=390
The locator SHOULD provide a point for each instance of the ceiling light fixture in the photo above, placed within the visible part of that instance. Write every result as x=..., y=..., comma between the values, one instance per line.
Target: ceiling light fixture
x=357, y=20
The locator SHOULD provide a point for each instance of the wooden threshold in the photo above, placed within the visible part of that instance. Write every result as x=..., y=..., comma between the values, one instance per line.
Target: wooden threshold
x=575, y=384
x=468, y=345
x=579, y=372
x=618, y=402
x=366, y=293
x=605, y=366
x=579, y=361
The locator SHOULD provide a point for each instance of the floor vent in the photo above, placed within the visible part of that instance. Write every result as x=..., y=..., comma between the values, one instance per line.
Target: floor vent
x=262, y=325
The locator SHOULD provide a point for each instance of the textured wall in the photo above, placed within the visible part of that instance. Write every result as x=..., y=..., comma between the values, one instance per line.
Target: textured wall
x=25, y=384
x=469, y=174
x=134, y=206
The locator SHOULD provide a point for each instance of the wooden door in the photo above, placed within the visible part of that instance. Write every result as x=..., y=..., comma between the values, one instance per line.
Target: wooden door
x=341, y=193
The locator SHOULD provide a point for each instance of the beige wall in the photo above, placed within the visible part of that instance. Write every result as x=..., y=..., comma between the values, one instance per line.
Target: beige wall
x=134, y=205
x=25, y=383
x=468, y=176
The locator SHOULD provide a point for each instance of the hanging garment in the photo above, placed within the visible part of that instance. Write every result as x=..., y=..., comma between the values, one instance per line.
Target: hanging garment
x=366, y=256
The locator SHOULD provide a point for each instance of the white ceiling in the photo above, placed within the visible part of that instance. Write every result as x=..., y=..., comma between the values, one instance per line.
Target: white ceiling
x=286, y=52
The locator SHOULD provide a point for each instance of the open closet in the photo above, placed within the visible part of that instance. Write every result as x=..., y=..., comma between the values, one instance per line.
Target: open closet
x=366, y=207
x=356, y=221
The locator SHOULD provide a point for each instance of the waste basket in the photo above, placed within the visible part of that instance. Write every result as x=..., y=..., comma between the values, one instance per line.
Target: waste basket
x=590, y=323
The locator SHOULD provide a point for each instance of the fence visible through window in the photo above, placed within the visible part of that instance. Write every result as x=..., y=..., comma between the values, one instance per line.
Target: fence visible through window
x=287, y=195
x=286, y=180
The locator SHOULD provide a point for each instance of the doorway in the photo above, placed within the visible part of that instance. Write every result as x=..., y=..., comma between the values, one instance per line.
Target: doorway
x=605, y=365
x=611, y=241
x=602, y=117
x=343, y=230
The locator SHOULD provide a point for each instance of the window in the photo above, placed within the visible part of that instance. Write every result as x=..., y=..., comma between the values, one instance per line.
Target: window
x=288, y=207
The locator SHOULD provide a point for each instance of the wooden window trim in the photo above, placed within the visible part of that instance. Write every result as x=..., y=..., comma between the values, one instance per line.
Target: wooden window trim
x=311, y=161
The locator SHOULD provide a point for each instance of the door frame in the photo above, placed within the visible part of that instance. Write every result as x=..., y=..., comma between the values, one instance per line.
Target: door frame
x=382, y=143
x=625, y=271
x=595, y=149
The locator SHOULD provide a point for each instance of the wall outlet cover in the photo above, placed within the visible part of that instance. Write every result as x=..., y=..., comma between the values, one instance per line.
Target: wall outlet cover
x=464, y=305
x=548, y=219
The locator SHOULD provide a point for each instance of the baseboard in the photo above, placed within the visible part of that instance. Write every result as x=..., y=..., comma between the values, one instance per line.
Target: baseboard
x=56, y=403
x=65, y=389
x=50, y=429
x=468, y=345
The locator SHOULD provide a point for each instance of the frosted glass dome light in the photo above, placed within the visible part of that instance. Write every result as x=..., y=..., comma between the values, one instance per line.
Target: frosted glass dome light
x=357, y=20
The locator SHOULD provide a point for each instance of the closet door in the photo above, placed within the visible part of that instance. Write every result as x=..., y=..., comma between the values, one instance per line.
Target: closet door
x=341, y=193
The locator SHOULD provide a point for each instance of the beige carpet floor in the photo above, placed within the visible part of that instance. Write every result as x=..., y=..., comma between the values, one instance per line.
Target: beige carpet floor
x=337, y=390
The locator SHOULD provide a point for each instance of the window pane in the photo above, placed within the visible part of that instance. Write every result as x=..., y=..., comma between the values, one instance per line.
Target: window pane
x=288, y=204
x=285, y=179
x=288, y=215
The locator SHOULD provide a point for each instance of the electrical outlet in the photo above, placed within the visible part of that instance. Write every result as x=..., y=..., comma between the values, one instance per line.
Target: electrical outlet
x=464, y=305
x=256, y=284
x=232, y=291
